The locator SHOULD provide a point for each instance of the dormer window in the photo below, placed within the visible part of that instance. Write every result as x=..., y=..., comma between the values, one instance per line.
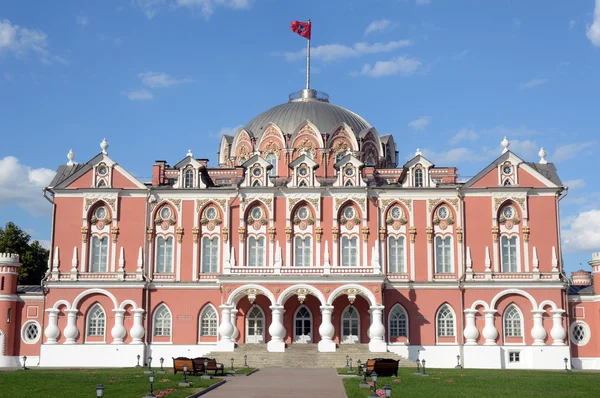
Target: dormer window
x=102, y=170
x=302, y=184
x=418, y=178
x=188, y=178
x=272, y=159
x=303, y=171
x=507, y=169
x=349, y=171
x=256, y=183
x=257, y=172
x=349, y=183
x=102, y=184
x=507, y=182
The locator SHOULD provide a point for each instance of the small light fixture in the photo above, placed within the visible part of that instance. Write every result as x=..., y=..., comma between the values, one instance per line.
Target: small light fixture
x=232, y=363
x=387, y=389
x=566, y=364
x=424, y=372
x=149, y=363
x=162, y=370
x=358, y=364
x=418, y=372
x=245, y=361
x=184, y=383
x=99, y=391
x=138, y=364
x=205, y=375
x=151, y=380
x=24, y=360
x=374, y=380
x=458, y=366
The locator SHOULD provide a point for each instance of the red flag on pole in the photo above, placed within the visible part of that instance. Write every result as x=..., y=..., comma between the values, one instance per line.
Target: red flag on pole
x=302, y=28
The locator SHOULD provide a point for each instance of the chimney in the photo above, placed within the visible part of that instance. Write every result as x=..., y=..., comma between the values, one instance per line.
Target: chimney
x=158, y=172
x=595, y=263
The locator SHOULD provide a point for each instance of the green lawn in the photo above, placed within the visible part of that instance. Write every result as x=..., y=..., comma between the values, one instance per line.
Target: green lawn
x=481, y=383
x=75, y=383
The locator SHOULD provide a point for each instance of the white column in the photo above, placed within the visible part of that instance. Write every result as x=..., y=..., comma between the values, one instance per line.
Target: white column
x=470, y=333
x=236, y=332
x=276, y=330
x=489, y=331
x=118, y=331
x=225, y=330
x=558, y=332
x=538, y=332
x=326, y=330
x=377, y=330
x=137, y=331
x=52, y=330
x=71, y=332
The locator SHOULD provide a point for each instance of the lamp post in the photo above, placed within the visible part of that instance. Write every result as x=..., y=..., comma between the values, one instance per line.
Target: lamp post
x=205, y=375
x=566, y=365
x=458, y=366
x=149, y=370
x=363, y=383
x=424, y=373
x=358, y=363
x=387, y=389
x=418, y=372
x=151, y=393
x=232, y=363
x=99, y=391
x=162, y=370
x=245, y=361
x=347, y=359
x=138, y=364
x=374, y=379
x=184, y=383
x=24, y=360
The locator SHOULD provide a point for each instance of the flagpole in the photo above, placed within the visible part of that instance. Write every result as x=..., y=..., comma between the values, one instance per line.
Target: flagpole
x=308, y=61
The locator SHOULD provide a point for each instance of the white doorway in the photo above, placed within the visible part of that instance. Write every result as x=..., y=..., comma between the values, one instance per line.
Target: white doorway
x=350, y=326
x=303, y=325
x=255, y=326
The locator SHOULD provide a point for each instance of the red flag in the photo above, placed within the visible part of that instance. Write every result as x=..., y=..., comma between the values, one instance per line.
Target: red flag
x=302, y=28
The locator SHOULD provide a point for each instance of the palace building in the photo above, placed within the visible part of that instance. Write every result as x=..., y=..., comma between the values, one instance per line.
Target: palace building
x=309, y=230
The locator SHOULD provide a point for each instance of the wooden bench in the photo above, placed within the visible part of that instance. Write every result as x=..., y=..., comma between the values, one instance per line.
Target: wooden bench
x=180, y=361
x=382, y=366
x=211, y=366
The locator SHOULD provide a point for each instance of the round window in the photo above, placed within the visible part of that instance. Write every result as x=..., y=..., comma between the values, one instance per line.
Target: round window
x=100, y=213
x=211, y=213
x=580, y=333
x=507, y=169
x=303, y=171
x=443, y=212
x=102, y=170
x=349, y=212
x=508, y=212
x=303, y=213
x=256, y=213
x=165, y=213
x=256, y=172
x=31, y=332
x=396, y=213
x=349, y=171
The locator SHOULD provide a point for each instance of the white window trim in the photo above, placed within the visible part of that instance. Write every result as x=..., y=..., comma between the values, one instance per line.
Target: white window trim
x=184, y=175
x=522, y=337
x=311, y=248
x=210, y=237
x=405, y=257
x=312, y=323
x=443, y=236
x=437, y=336
x=91, y=252
x=342, y=324
x=154, y=314
x=358, y=245
x=518, y=243
x=588, y=333
x=517, y=363
x=389, y=325
x=25, y=325
x=87, y=318
x=165, y=237
x=263, y=326
x=256, y=237
x=204, y=309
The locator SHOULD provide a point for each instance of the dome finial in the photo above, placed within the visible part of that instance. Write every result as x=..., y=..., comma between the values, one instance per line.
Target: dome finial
x=190, y=154
x=542, y=155
x=418, y=152
x=505, y=144
x=104, y=146
x=71, y=156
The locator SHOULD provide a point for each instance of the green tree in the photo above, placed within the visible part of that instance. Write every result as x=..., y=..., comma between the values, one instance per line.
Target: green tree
x=33, y=256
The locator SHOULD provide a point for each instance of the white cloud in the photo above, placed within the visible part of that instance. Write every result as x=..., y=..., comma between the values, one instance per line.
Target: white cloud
x=161, y=80
x=22, y=185
x=453, y=156
x=335, y=52
x=82, y=20
x=570, y=151
x=524, y=148
x=571, y=24
x=206, y=7
x=574, y=184
x=464, y=135
x=593, y=30
x=420, y=123
x=378, y=26
x=423, y=2
x=534, y=83
x=397, y=66
x=21, y=42
x=141, y=94
x=45, y=243
x=583, y=233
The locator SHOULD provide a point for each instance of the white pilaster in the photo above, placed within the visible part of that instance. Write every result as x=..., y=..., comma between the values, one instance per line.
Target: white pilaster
x=538, y=332
x=377, y=330
x=71, y=332
x=558, y=332
x=471, y=332
x=118, y=331
x=489, y=331
x=326, y=330
x=276, y=330
x=52, y=330
x=225, y=330
x=137, y=331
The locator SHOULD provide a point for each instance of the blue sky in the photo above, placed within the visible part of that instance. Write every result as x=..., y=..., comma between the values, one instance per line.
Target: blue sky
x=159, y=77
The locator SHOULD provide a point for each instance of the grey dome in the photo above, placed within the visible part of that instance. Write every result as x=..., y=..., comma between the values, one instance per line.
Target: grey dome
x=322, y=114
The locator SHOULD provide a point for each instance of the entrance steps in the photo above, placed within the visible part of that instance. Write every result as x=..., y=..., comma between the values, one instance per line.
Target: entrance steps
x=301, y=356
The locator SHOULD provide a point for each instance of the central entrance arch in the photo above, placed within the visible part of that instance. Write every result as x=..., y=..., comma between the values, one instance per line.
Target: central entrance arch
x=255, y=326
x=303, y=325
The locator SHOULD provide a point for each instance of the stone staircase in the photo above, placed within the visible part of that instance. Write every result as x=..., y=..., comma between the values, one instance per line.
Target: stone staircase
x=301, y=356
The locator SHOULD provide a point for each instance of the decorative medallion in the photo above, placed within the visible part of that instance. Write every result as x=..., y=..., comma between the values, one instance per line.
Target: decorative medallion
x=396, y=225
x=376, y=290
x=100, y=224
x=509, y=224
x=228, y=289
x=327, y=290
x=256, y=225
x=210, y=226
x=443, y=224
x=303, y=225
x=349, y=225
x=165, y=225
x=277, y=290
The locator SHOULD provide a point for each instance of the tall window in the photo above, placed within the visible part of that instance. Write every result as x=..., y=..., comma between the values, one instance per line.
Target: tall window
x=302, y=252
x=445, y=322
x=164, y=255
x=398, y=322
x=272, y=159
x=443, y=255
x=396, y=255
x=512, y=322
x=96, y=321
x=509, y=254
x=99, y=254
x=418, y=177
x=210, y=255
x=162, y=321
x=256, y=252
x=349, y=251
x=208, y=322
x=189, y=179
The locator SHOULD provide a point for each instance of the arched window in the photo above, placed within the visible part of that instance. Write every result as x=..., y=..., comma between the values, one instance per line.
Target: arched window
x=445, y=322
x=418, y=177
x=99, y=254
x=303, y=184
x=189, y=179
x=398, y=322
x=513, y=322
x=162, y=321
x=208, y=321
x=443, y=255
x=256, y=183
x=256, y=251
x=272, y=159
x=210, y=255
x=164, y=255
x=507, y=182
x=96, y=321
x=509, y=254
x=349, y=183
x=303, y=251
x=349, y=251
x=396, y=255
